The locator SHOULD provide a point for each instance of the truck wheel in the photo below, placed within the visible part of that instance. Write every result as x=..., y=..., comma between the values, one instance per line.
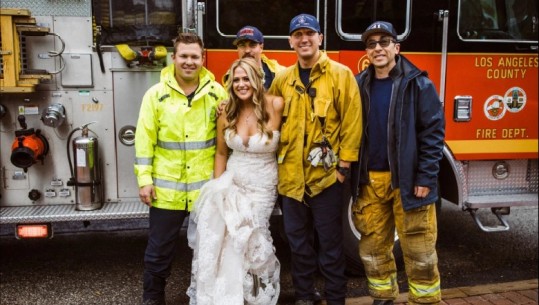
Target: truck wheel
x=438, y=202
x=351, y=238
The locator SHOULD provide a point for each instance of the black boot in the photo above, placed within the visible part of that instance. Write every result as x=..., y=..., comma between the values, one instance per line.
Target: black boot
x=153, y=302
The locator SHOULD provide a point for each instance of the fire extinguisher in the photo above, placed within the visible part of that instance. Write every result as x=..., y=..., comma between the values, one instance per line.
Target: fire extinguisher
x=85, y=170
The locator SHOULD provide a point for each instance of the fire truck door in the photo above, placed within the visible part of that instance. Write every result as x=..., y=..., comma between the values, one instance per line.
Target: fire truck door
x=129, y=88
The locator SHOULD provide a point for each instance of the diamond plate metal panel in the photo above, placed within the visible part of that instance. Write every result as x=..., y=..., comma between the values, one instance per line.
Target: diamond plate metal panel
x=67, y=212
x=522, y=178
x=78, y=8
x=533, y=176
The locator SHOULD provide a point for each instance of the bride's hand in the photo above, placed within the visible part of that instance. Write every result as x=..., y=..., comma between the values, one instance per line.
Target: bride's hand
x=221, y=108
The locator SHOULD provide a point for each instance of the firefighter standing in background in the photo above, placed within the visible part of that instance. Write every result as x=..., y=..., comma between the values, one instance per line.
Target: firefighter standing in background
x=398, y=170
x=175, y=147
x=250, y=43
x=320, y=136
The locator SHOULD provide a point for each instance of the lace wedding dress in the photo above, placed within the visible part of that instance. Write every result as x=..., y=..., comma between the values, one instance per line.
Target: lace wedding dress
x=234, y=260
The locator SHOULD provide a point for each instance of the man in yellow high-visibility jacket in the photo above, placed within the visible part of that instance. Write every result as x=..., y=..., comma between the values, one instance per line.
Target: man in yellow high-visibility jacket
x=175, y=147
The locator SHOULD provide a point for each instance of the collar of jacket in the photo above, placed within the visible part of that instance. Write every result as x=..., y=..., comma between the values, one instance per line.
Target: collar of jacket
x=405, y=68
x=273, y=65
x=167, y=76
x=318, y=69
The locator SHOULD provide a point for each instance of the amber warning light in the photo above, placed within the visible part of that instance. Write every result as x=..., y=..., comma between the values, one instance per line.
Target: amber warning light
x=33, y=231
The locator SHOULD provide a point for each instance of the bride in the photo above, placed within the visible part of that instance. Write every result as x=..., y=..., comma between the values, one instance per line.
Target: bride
x=234, y=259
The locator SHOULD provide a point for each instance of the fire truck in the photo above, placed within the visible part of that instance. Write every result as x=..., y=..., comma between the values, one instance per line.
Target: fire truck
x=73, y=74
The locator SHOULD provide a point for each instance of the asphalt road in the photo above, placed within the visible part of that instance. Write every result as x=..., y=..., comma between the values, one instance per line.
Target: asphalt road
x=106, y=268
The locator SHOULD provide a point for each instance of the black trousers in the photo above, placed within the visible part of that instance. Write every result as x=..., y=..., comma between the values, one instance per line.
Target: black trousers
x=320, y=214
x=163, y=236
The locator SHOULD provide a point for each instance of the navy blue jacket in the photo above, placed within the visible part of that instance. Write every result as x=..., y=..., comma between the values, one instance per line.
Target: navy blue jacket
x=415, y=133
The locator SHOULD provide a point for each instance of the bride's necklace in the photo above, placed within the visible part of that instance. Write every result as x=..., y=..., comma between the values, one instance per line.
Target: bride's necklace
x=248, y=117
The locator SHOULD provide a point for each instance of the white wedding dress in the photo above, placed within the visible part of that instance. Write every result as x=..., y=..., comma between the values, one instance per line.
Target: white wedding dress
x=234, y=260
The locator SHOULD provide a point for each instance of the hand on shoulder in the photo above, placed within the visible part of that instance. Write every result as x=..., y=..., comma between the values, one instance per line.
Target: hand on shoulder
x=221, y=107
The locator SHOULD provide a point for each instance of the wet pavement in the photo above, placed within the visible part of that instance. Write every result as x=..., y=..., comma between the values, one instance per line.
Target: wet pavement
x=96, y=266
x=519, y=292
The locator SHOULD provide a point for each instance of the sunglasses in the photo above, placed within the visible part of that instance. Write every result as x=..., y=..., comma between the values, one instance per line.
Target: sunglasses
x=384, y=42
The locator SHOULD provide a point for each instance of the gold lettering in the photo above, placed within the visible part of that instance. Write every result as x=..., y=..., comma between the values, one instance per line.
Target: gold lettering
x=483, y=61
x=513, y=133
x=487, y=133
x=92, y=107
x=365, y=65
x=517, y=62
x=506, y=73
x=526, y=62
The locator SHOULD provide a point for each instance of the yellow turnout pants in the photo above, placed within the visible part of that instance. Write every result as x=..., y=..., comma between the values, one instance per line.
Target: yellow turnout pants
x=377, y=212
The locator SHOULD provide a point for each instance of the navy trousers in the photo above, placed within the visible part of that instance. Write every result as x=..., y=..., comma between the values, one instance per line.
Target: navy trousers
x=320, y=214
x=163, y=236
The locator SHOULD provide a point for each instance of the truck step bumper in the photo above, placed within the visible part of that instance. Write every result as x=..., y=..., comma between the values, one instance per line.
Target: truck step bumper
x=500, y=201
x=66, y=212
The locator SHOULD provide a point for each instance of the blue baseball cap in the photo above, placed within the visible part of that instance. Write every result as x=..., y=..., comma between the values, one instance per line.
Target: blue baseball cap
x=249, y=33
x=379, y=27
x=304, y=21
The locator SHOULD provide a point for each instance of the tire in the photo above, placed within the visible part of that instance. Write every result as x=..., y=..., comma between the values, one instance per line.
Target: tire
x=351, y=237
x=438, y=202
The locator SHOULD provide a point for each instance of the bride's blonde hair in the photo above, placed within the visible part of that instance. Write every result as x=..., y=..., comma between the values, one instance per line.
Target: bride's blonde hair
x=256, y=78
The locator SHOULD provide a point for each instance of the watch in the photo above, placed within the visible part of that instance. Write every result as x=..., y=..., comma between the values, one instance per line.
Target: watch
x=345, y=171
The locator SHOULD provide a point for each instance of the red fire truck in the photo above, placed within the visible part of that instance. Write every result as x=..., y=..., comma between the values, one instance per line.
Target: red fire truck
x=64, y=85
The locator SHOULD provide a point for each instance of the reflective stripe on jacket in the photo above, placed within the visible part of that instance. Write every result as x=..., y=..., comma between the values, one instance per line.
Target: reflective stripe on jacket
x=336, y=101
x=175, y=139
